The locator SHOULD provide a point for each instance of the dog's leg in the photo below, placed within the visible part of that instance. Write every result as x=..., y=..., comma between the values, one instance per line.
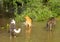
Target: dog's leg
x=50, y=26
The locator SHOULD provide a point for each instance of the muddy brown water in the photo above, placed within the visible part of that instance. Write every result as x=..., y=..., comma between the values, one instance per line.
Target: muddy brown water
x=38, y=34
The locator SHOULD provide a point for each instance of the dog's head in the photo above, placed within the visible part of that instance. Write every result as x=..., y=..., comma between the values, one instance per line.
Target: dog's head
x=27, y=17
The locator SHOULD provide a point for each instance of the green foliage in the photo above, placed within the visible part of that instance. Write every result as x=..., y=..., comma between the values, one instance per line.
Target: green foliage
x=36, y=10
x=54, y=6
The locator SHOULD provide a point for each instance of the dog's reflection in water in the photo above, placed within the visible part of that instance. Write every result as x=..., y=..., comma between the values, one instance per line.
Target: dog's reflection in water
x=28, y=34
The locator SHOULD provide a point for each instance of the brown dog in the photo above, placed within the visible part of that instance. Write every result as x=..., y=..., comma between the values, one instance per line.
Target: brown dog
x=51, y=23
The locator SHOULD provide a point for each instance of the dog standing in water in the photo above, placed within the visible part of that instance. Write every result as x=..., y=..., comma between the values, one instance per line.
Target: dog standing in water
x=51, y=23
x=28, y=24
x=12, y=27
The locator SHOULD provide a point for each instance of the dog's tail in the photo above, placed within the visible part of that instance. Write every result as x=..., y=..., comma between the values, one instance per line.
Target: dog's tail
x=17, y=31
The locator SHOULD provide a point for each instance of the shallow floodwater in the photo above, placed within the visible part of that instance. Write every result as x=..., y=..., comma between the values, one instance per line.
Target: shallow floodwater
x=38, y=34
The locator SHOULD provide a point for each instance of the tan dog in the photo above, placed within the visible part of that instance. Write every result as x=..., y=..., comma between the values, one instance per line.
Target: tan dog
x=28, y=24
